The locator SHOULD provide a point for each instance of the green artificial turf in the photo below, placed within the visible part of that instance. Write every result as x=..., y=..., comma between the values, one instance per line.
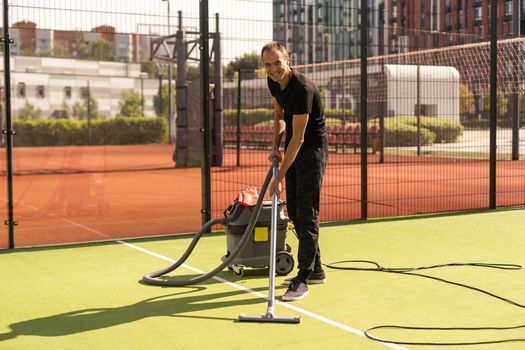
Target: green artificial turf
x=90, y=296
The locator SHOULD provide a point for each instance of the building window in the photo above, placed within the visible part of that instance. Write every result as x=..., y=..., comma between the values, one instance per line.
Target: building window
x=40, y=91
x=448, y=21
x=84, y=92
x=44, y=45
x=21, y=90
x=67, y=92
x=508, y=9
x=478, y=13
x=123, y=50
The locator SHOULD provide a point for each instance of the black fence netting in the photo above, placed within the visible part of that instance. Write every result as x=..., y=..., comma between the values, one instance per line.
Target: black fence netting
x=106, y=103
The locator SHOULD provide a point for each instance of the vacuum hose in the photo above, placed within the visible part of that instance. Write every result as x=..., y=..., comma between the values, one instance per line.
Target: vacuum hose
x=151, y=278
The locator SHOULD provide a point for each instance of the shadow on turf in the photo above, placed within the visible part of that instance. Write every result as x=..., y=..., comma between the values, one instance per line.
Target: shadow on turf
x=174, y=305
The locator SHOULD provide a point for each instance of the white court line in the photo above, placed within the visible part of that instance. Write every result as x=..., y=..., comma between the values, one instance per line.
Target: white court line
x=237, y=286
x=261, y=295
x=101, y=234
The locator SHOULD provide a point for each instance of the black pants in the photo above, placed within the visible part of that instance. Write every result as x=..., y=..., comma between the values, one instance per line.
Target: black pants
x=303, y=191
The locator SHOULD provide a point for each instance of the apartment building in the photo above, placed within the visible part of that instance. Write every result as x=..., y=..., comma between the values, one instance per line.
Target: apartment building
x=325, y=30
x=127, y=47
x=48, y=83
x=424, y=24
x=329, y=30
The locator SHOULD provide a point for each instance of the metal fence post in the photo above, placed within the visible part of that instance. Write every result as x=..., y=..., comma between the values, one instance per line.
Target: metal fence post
x=493, y=100
x=205, y=81
x=238, y=133
x=88, y=114
x=364, y=109
x=8, y=132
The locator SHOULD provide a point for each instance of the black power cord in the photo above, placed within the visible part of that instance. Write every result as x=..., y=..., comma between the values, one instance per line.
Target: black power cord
x=375, y=267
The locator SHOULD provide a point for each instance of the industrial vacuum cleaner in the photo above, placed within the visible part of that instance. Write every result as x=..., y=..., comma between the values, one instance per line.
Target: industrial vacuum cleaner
x=255, y=253
x=255, y=237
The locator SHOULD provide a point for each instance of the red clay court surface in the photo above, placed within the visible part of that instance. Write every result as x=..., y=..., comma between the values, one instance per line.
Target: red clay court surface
x=80, y=193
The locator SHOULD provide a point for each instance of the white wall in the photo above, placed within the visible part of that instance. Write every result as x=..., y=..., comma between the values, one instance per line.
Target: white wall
x=438, y=86
x=107, y=80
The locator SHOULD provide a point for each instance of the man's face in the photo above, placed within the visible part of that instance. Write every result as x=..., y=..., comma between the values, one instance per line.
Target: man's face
x=276, y=64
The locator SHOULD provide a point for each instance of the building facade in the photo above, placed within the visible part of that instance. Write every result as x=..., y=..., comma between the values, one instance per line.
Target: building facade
x=28, y=38
x=329, y=30
x=49, y=83
x=324, y=30
x=425, y=24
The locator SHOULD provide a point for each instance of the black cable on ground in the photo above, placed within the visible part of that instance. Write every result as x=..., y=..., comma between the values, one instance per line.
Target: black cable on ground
x=375, y=267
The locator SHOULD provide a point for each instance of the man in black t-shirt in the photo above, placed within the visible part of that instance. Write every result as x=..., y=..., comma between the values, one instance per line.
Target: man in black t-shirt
x=299, y=112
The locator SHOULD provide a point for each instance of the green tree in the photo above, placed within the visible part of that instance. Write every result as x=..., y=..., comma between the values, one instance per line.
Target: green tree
x=99, y=50
x=153, y=70
x=28, y=52
x=194, y=73
x=466, y=100
x=63, y=113
x=57, y=51
x=80, y=109
x=130, y=104
x=162, y=110
x=29, y=112
x=248, y=64
x=259, y=74
x=502, y=103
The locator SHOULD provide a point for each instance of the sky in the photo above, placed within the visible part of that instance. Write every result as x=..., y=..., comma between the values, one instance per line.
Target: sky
x=245, y=24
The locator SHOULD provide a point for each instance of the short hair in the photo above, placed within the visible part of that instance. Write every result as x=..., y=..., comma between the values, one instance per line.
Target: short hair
x=275, y=45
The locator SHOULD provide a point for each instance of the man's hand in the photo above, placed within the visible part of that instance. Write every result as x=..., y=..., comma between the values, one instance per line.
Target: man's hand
x=275, y=153
x=275, y=185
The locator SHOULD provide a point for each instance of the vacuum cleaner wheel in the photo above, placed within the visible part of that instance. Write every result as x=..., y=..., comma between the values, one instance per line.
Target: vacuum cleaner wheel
x=284, y=263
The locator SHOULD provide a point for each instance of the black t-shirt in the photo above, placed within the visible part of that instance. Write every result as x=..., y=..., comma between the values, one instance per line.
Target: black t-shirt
x=301, y=96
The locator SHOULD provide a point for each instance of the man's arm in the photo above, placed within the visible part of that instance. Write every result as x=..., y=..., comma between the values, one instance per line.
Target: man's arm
x=299, y=126
x=278, y=130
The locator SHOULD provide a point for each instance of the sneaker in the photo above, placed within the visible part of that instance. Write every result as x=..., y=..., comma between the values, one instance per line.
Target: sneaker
x=296, y=291
x=313, y=278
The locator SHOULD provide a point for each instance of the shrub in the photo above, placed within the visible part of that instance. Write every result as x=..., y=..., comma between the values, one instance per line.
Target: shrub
x=29, y=112
x=333, y=113
x=399, y=131
x=111, y=131
x=447, y=131
x=258, y=115
x=248, y=116
x=485, y=123
x=400, y=134
x=130, y=104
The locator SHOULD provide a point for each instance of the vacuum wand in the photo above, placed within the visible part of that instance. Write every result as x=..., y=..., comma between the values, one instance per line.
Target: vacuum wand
x=273, y=243
x=269, y=316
